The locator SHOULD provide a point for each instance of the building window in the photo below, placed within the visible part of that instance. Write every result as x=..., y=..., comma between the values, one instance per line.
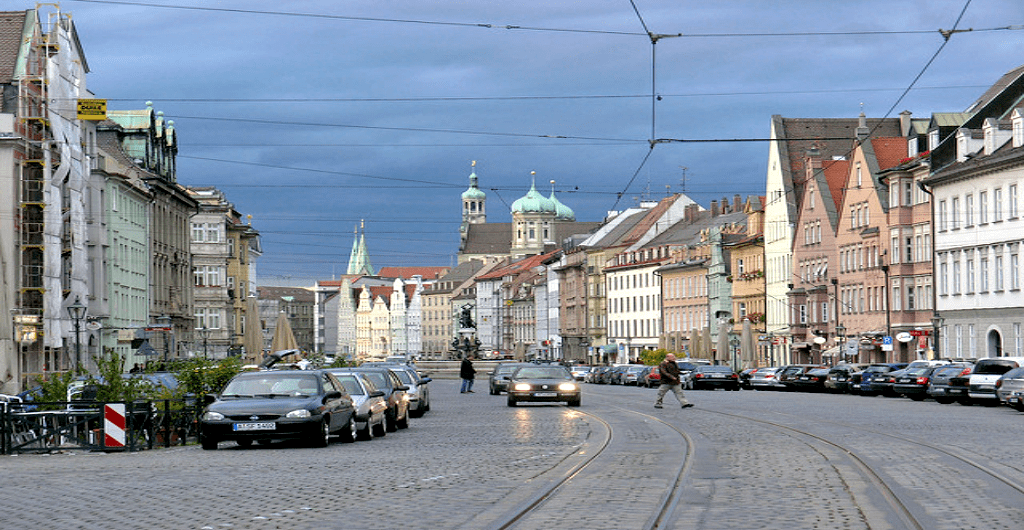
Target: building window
x=969, y=209
x=999, y=272
x=1012, y=197
x=983, y=206
x=970, y=273
x=942, y=216
x=1014, y=270
x=997, y=205
x=955, y=213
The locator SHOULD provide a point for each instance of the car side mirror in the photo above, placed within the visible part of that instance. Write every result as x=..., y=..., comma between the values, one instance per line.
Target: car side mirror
x=403, y=388
x=333, y=394
x=425, y=380
x=377, y=393
x=209, y=398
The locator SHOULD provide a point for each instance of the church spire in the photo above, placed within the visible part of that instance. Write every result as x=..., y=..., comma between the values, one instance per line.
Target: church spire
x=359, y=260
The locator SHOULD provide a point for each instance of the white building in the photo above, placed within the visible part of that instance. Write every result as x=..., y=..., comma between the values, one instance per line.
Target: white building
x=977, y=177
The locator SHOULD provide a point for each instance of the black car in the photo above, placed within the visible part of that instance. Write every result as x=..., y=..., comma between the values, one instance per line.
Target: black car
x=789, y=373
x=913, y=382
x=544, y=383
x=281, y=404
x=876, y=370
x=497, y=380
x=812, y=380
x=715, y=376
x=949, y=383
x=395, y=393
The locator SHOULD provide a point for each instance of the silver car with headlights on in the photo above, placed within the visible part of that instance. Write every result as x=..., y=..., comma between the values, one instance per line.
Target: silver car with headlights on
x=543, y=383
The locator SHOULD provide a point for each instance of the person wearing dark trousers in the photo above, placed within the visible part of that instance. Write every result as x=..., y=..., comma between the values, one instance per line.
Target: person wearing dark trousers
x=468, y=374
x=670, y=380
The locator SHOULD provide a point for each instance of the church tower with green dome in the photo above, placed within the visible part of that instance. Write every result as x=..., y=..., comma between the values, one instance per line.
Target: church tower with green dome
x=474, y=204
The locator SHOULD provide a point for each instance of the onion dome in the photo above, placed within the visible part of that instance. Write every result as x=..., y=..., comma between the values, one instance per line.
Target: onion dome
x=562, y=212
x=533, y=202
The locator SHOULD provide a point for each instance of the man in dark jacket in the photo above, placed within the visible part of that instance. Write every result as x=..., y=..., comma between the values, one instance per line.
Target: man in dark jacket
x=669, y=371
x=467, y=373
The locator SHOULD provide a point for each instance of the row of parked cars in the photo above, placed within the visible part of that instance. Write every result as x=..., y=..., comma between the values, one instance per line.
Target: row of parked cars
x=314, y=406
x=694, y=373
x=987, y=381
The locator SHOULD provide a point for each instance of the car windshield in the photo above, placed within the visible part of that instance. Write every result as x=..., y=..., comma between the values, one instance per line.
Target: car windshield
x=403, y=376
x=948, y=371
x=378, y=379
x=351, y=385
x=920, y=370
x=271, y=385
x=714, y=369
x=541, y=372
x=507, y=368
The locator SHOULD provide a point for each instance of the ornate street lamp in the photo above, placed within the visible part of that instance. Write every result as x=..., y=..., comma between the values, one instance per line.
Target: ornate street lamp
x=937, y=322
x=204, y=333
x=77, y=312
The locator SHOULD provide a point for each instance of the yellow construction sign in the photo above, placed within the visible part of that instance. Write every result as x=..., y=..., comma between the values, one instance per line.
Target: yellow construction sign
x=92, y=109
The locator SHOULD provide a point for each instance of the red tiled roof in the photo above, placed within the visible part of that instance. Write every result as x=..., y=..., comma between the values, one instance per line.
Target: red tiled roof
x=407, y=273
x=889, y=151
x=518, y=266
x=836, y=172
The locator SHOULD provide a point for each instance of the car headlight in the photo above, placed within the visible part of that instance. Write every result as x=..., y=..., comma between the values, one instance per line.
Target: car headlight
x=301, y=413
x=523, y=387
x=567, y=387
x=212, y=416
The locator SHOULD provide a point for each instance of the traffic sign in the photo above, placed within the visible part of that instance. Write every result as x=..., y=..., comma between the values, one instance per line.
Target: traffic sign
x=887, y=343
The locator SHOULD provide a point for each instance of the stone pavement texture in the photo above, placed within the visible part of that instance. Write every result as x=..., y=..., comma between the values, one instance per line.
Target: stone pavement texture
x=472, y=460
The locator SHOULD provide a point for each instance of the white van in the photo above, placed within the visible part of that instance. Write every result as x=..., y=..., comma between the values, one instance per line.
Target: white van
x=985, y=374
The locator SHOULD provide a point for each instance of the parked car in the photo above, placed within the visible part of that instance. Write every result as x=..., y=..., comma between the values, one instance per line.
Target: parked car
x=578, y=371
x=1016, y=400
x=419, y=390
x=631, y=375
x=766, y=379
x=497, y=380
x=544, y=383
x=812, y=380
x=1010, y=382
x=650, y=377
x=940, y=383
x=370, y=403
x=310, y=405
x=617, y=375
x=839, y=376
x=982, y=383
x=395, y=393
x=791, y=372
x=686, y=368
x=881, y=384
x=715, y=376
x=876, y=370
x=604, y=375
x=913, y=382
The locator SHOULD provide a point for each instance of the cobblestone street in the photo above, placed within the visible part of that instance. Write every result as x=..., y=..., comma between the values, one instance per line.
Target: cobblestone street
x=472, y=460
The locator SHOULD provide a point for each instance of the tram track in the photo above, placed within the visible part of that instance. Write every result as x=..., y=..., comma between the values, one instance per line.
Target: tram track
x=577, y=482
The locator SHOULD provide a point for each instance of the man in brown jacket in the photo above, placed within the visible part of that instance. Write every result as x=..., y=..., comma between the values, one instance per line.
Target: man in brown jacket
x=669, y=371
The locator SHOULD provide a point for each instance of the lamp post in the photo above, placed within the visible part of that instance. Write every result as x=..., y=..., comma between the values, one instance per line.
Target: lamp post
x=204, y=333
x=735, y=343
x=937, y=321
x=165, y=323
x=77, y=312
x=841, y=338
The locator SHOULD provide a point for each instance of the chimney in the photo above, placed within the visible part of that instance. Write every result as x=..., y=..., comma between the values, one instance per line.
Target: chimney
x=737, y=203
x=724, y=205
x=813, y=158
x=905, y=123
x=714, y=208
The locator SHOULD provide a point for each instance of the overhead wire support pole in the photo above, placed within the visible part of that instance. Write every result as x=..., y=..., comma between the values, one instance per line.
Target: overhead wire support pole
x=655, y=37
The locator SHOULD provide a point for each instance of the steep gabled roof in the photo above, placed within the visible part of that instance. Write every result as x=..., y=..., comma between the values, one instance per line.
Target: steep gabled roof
x=12, y=32
x=517, y=267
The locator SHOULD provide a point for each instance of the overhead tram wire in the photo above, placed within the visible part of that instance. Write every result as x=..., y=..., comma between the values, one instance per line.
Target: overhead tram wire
x=507, y=27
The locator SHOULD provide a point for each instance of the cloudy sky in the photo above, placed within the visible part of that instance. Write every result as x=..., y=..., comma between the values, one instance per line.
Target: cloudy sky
x=315, y=115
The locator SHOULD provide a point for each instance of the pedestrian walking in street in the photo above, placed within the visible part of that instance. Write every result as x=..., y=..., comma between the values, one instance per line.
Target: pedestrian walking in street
x=468, y=374
x=670, y=380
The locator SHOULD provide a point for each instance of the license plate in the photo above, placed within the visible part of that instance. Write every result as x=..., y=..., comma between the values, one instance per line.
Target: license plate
x=804, y=378
x=545, y=394
x=840, y=379
x=259, y=426
x=903, y=381
x=717, y=376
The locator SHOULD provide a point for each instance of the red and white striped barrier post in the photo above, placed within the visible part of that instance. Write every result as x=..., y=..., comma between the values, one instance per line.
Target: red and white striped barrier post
x=113, y=426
